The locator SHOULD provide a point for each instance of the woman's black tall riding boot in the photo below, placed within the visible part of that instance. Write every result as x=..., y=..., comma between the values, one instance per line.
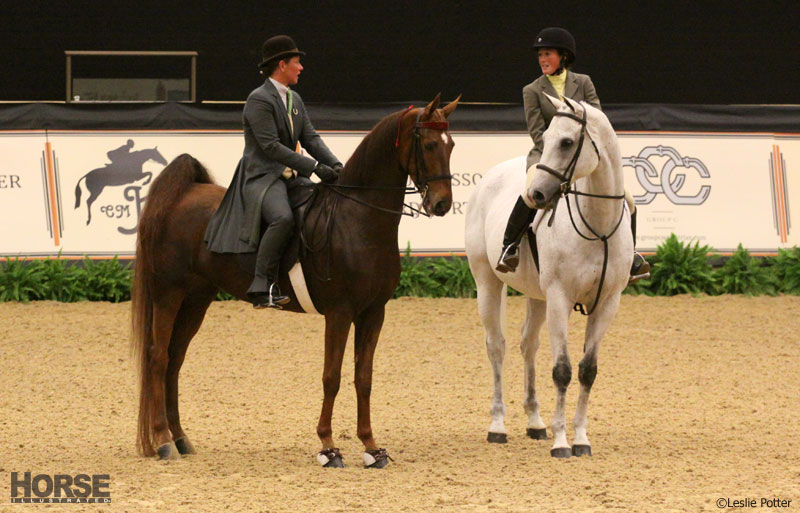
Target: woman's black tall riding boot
x=521, y=216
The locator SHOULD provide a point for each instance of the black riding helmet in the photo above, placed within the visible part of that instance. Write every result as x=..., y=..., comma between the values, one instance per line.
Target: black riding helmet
x=560, y=39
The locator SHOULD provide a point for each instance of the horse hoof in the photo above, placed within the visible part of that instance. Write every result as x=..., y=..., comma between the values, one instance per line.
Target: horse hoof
x=561, y=452
x=378, y=458
x=184, y=446
x=497, y=438
x=581, y=450
x=168, y=452
x=330, y=458
x=537, y=434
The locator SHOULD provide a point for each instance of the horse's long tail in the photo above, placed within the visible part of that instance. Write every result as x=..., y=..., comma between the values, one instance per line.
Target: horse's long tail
x=78, y=191
x=164, y=193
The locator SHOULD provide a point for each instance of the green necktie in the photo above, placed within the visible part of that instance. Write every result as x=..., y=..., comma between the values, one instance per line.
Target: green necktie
x=288, y=172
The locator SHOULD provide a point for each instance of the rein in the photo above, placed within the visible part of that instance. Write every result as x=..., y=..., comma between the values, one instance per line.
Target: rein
x=566, y=189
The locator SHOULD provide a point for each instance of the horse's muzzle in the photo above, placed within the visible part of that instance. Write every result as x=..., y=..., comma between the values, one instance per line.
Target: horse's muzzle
x=439, y=208
x=539, y=199
x=543, y=193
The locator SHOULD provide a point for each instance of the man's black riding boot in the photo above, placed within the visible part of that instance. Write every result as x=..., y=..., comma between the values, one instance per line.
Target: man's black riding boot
x=521, y=216
x=272, y=299
x=264, y=291
x=640, y=268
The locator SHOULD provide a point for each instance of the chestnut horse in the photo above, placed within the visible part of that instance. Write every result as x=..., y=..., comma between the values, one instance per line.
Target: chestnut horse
x=177, y=277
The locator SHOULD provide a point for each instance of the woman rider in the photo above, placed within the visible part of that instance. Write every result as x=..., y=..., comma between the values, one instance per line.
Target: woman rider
x=556, y=51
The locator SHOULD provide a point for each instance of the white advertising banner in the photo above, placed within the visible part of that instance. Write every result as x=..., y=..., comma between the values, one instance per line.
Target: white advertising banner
x=80, y=193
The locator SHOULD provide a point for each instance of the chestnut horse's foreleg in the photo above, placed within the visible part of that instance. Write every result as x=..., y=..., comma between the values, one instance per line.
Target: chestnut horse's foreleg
x=337, y=327
x=188, y=321
x=368, y=329
x=165, y=310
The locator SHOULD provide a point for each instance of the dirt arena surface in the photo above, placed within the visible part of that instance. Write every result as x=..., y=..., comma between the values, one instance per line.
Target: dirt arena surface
x=696, y=399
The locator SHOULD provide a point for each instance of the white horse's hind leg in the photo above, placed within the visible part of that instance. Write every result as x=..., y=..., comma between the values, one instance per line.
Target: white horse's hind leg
x=558, y=310
x=491, y=307
x=529, y=345
x=596, y=328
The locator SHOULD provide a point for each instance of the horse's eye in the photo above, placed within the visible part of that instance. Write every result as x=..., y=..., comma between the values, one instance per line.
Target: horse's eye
x=430, y=146
x=566, y=143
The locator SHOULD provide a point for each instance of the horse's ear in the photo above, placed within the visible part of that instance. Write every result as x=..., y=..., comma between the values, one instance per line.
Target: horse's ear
x=570, y=104
x=450, y=107
x=432, y=106
x=555, y=101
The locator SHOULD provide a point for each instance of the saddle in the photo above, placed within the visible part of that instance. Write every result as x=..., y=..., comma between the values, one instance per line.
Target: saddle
x=300, y=199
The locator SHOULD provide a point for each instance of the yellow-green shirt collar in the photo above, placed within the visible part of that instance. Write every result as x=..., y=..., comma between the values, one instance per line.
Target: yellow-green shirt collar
x=558, y=82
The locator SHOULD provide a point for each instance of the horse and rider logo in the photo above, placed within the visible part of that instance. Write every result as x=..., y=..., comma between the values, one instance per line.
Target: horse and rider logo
x=125, y=168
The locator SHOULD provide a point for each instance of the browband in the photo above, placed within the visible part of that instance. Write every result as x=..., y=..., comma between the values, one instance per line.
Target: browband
x=432, y=125
x=581, y=120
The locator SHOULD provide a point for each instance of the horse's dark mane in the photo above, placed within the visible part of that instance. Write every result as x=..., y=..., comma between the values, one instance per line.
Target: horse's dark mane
x=377, y=147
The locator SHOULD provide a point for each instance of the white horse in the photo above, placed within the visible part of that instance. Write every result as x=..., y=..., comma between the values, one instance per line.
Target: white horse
x=582, y=157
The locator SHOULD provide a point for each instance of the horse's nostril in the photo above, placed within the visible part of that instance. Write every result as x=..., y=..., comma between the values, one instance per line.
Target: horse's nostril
x=538, y=197
x=441, y=208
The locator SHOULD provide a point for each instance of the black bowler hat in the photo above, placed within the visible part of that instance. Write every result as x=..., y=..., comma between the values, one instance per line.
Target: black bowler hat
x=278, y=47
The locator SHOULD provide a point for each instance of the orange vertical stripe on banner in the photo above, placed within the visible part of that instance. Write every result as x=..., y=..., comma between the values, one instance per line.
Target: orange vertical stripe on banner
x=778, y=195
x=779, y=192
x=51, y=181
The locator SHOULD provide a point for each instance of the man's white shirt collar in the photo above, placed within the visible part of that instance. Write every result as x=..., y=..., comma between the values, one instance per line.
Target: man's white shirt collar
x=282, y=90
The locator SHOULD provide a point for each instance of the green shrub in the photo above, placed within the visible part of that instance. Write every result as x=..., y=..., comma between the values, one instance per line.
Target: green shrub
x=786, y=268
x=415, y=278
x=20, y=281
x=680, y=268
x=104, y=280
x=454, y=277
x=743, y=274
x=677, y=268
x=434, y=277
x=60, y=282
x=224, y=296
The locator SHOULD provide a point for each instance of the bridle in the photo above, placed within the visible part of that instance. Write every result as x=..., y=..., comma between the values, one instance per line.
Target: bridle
x=569, y=172
x=416, y=152
x=566, y=188
x=420, y=186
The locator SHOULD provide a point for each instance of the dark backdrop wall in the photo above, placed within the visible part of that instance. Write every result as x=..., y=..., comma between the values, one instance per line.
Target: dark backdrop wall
x=728, y=52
